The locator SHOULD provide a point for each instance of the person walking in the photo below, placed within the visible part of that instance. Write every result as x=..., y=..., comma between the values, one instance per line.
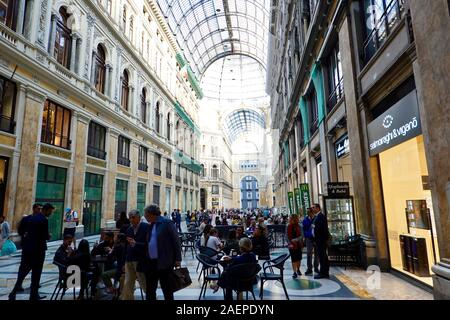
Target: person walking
x=178, y=220
x=4, y=231
x=160, y=252
x=70, y=224
x=295, y=245
x=33, y=251
x=136, y=232
x=310, y=247
x=320, y=233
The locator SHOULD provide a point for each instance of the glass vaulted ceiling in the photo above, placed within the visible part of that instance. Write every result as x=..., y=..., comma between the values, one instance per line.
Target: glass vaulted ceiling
x=244, y=122
x=211, y=29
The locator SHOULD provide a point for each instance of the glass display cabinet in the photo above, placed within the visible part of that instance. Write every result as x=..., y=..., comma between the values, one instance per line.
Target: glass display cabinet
x=340, y=216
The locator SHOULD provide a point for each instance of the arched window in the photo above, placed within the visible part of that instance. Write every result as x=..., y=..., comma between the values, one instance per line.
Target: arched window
x=125, y=90
x=124, y=18
x=168, y=126
x=157, y=118
x=143, y=106
x=9, y=10
x=63, y=39
x=131, y=28
x=215, y=172
x=100, y=69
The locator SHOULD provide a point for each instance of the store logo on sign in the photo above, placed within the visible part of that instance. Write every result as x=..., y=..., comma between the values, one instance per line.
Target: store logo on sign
x=387, y=121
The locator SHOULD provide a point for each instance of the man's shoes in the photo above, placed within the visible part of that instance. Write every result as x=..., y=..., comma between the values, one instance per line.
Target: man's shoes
x=294, y=275
x=299, y=272
x=316, y=271
x=308, y=273
x=37, y=298
x=321, y=276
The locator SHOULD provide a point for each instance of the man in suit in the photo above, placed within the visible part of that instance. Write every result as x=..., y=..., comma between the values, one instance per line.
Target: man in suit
x=34, y=244
x=161, y=252
x=320, y=234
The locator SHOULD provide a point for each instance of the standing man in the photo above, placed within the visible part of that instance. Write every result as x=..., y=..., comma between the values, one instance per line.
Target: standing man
x=161, y=252
x=70, y=225
x=33, y=251
x=178, y=220
x=320, y=233
x=307, y=232
x=136, y=232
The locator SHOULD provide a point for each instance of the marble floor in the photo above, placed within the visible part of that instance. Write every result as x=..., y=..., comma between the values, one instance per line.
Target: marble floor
x=350, y=284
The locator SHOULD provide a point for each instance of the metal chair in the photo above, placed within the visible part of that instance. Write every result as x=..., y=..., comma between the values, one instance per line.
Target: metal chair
x=243, y=277
x=62, y=282
x=208, y=264
x=188, y=243
x=210, y=253
x=277, y=263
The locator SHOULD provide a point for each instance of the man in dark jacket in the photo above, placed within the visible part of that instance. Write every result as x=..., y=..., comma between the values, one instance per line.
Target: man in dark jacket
x=34, y=246
x=161, y=252
x=310, y=247
x=320, y=233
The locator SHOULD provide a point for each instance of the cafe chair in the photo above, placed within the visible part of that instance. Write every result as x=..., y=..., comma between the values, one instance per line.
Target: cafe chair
x=210, y=271
x=188, y=243
x=277, y=263
x=61, y=285
x=243, y=278
x=210, y=253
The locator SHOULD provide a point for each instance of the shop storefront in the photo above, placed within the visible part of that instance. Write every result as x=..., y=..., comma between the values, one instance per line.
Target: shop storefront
x=396, y=138
x=4, y=163
x=343, y=161
x=141, y=194
x=121, y=197
x=92, y=209
x=51, y=188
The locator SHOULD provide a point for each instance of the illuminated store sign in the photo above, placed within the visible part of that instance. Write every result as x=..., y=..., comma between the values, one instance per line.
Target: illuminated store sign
x=342, y=147
x=398, y=124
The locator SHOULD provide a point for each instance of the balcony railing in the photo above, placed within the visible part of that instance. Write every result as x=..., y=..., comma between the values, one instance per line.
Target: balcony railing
x=123, y=161
x=185, y=180
x=7, y=124
x=96, y=153
x=314, y=126
x=55, y=139
x=143, y=167
x=191, y=183
x=177, y=178
x=336, y=96
x=383, y=28
x=157, y=172
x=168, y=175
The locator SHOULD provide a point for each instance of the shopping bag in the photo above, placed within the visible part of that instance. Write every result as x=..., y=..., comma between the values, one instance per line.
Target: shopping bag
x=8, y=248
x=179, y=279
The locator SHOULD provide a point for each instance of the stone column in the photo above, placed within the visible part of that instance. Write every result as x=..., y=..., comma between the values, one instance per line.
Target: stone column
x=131, y=107
x=79, y=165
x=134, y=153
x=78, y=56
x=432, y=75
x=73, y=52
x=29, y=148
x=110, y=84
x=20, y=16
x=110, y=185
x=29, y=19
x=51, y=47
x=107, y=80
x=93, y=68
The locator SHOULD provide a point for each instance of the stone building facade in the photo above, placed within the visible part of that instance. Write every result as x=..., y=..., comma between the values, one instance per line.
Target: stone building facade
x=359, y=94
x=98, y=112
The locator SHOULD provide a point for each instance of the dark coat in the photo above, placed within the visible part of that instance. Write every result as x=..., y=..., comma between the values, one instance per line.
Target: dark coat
x=37, y=234
x=169, y=247
x=320, y=229
x=134, y=253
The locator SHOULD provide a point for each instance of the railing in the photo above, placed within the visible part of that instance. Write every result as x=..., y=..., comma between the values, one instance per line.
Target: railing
x=168, y=175
x=96, y=153
x=157, y=171
x=383, y=28
x=314, y=126
x=177, y=178
x=336, y=95
x=191, y=183
x=123, y=161
x=55, y=139
x=7, y=124
x=143, y=167
x=185, y=180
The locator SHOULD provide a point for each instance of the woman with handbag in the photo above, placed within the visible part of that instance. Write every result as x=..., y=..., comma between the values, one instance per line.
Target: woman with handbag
x=295, y=244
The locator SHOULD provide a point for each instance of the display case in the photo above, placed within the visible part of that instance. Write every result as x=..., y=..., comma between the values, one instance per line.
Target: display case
x=340, y=216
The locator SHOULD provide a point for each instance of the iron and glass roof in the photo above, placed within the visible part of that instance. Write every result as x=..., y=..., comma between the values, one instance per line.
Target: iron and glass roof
x=244, y=121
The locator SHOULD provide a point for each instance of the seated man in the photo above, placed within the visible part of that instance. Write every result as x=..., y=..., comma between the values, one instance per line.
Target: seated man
x=246, y=256
x=107, y=269
x=64, y=251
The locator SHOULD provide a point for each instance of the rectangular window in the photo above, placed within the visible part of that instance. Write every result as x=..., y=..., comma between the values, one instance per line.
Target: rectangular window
x=7, y=104
x=335, y=78
x=123, y=152
x=215, y=189
x=56, y=122
x=157, y=164
x=142, y=159
x=156, y=192
x=141, y=195
x=96, y=141
x=169, y=169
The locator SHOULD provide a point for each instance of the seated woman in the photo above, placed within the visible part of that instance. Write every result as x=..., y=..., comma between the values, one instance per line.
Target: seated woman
x=82, y=259
x=105, y=249
x=231, y=243
x=246, y=256
x=213, y=241
x=261, y=243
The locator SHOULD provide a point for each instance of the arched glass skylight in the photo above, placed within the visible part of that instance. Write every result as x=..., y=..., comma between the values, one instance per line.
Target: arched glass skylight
x=244, y=121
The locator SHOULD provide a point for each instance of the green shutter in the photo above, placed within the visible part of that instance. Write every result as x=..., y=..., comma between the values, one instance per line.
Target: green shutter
x=317, y=77
x=305, y=117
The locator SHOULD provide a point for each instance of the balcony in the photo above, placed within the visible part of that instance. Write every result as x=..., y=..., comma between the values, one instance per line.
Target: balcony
x=143, y=167
x=123, y=161
x=314, y=126
x=55, y=139
x=335, y=96
x=7, y=124
x=96, y=153
x=168, y=175
x=177, y=178
x=185, y=180
x=157, y=172
x=191, y=183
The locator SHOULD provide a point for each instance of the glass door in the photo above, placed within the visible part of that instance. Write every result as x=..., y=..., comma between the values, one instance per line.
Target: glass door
x=92, y=208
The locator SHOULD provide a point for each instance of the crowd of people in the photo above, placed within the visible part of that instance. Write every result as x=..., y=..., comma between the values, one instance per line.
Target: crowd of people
x=147, y=247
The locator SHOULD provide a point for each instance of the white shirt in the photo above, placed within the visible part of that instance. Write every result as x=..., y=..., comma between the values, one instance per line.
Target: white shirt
x=213, y=243
x=69, y=223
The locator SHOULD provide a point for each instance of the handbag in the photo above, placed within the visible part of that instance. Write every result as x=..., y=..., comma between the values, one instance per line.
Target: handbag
x=179, y=279
x=8, y=248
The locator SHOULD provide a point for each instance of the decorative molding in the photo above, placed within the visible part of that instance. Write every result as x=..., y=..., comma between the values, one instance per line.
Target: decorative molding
x=55, y=152
x=96, y=162
x=35, y=95
x=90, y=25
x=42, y=23
x=6, y=140
x=4, y=62
x=82, y=117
